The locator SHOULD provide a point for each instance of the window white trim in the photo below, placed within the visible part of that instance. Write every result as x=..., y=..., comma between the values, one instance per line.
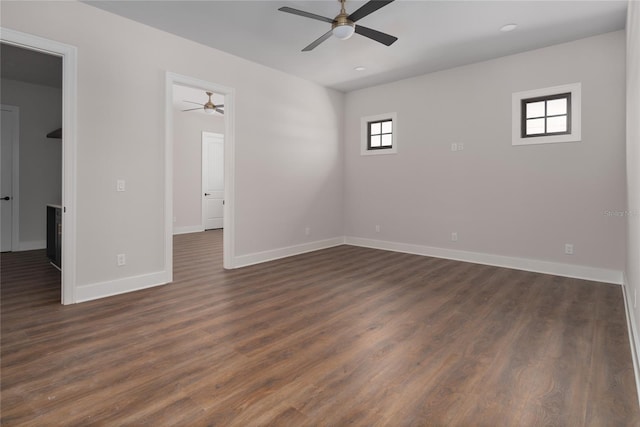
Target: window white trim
x=576, y=122
x=364, y=121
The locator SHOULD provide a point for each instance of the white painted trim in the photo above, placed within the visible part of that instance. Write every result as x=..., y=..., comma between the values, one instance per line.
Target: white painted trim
x=634, y=339
x=537, y=266
x=229, y=162
x=229, y=231
x=69, y=146
x=32, y=245
x=576, y=115
x=168, y=176
x=364, y=121
x=188, y=229
x=274, y=254
x=15, y=182
x=15, y=177
x=120, y=286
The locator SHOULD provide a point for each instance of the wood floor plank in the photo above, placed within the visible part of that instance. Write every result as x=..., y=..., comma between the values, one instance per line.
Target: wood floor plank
x=341, y=336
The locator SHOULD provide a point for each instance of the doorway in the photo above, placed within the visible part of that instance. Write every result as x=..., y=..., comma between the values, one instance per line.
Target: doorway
x=226, y=97
x=31, y=99
x=68, y=54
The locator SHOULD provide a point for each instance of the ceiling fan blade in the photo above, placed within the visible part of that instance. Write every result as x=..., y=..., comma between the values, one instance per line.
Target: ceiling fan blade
x=318, y=41
x=220, y=106
x=368, y=8
x=383, y=38
x=219, y=111
x=191, y=102
x=305, y=14
x=192, y=109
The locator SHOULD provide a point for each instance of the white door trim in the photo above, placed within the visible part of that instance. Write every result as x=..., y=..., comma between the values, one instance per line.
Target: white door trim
x=69, y=146
x=15, y=176
x=204, y=165
x=229, y=160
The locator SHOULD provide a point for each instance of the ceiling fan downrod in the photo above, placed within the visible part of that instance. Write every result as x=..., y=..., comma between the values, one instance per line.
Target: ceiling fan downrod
x=342, y=27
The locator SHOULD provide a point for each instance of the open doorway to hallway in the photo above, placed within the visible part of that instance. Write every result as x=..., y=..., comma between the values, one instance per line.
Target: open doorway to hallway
x=32, y=160
x=68, y=131
x=198, y=161
x=220, y=101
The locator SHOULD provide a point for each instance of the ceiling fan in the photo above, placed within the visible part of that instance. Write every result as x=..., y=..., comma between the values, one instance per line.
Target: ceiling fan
x=209, y=107
x=344, y=25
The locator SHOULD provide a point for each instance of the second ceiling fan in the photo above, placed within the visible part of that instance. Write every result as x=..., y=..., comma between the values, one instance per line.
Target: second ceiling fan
x=209, y=106
x=344, y=25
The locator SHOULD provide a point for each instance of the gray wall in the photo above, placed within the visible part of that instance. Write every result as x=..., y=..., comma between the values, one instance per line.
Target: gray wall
x=40, y=157
x=525, y=201
x=288, y=153
x=292, y=169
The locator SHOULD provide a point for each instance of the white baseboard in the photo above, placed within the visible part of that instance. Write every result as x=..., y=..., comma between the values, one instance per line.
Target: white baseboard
x=273, y=254
x=32, y=245
x=634, y=340
x=120, y=286
x=188, y=229
x=545, y=267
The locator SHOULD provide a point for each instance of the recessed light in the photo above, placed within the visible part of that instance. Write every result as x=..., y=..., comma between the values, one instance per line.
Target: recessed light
x=360, y=68
x=508, y=27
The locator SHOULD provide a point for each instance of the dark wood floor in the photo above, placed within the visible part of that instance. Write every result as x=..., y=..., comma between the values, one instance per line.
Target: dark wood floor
x=341, y=336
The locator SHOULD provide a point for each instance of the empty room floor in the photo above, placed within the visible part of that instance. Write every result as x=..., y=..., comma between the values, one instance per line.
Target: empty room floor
x=341, y=336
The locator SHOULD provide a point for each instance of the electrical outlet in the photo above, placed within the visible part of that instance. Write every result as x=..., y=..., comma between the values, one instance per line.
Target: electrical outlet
x=122, y=259
x=377, y=228
x=307, y=231
x=454, y=237
x=460, y=147
x=568, y=248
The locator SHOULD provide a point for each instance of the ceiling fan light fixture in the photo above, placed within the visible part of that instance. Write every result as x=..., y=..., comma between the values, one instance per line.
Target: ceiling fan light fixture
x=344, y=31
x=209, y=110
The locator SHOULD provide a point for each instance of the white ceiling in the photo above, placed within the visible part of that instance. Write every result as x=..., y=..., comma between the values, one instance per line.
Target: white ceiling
x=433, y=35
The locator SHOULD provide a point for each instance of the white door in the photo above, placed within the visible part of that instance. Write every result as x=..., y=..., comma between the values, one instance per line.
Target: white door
x=212, y=180
x=9, y=118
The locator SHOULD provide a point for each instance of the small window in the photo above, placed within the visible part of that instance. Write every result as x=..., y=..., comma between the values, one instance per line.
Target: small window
x=546, y=115
x=380, y=135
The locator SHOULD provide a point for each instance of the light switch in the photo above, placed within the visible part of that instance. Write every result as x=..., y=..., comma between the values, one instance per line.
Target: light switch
x=120, y=185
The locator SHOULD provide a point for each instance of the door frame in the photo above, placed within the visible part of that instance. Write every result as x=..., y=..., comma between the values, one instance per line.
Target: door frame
x=203, y=167
x=228, y=232
x=69, y=55
x=15, y=176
